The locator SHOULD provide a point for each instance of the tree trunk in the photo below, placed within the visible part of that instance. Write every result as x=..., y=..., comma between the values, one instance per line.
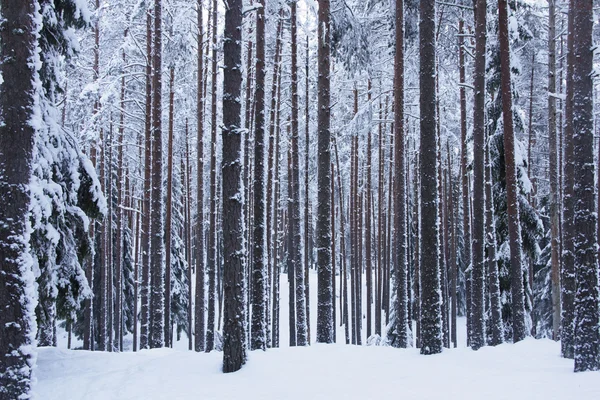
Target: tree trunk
x=199, y=327
x=307, y=216
x=157, y=260
x=168, y=217
x=477, y=338
x=234, y=331
x=259, y=272
x=146, y=245
x=554, y=186
x=212, y=235
x=514, y=226
x=17, y=133
x=431, y=329
x=587, y=298
x=466, y=223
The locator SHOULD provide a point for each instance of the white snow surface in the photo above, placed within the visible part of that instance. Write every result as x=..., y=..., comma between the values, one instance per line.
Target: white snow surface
x=532, y=369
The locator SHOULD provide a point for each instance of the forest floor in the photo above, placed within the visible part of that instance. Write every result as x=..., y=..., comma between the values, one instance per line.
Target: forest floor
x=532, y=369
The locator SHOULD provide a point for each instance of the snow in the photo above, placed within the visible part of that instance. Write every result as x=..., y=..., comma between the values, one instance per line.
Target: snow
x=529, y=369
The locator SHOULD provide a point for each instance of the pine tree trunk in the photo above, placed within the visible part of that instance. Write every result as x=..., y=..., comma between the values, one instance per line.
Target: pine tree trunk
x=466, y=222
x=301, y=325
x=323, y=230
x=496, y=324
x=212, y=235
x=567, y=275
x=477, y=338
x=587, y=298
x=146, y=245
x=431, y=329
x=368, y=255
x=514, y=226
x=199, y=311
x=157, y=294
x=168, y=216
x=187, y=200
x=271, y=209
x=307, y=216
x=554, y=187
x=234, y=335
x=17, y=133
x=120, y=220
x=259, y=272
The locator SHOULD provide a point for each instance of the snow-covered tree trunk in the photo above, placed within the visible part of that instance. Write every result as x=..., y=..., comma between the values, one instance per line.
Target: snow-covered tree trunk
x=587, y=298
x=259, y=269
x=199, y=310
x=20, y=120
x=157, y=259
x=431, y=318
x=553, y=175
x=477, y=338
x=234, y=321
x=514, y=226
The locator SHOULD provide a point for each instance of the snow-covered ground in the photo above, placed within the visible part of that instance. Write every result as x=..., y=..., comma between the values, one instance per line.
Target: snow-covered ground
x=528, y=370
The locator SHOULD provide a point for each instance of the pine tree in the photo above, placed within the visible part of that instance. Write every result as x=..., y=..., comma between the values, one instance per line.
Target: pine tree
x=259, y=270
x=19, y=105
x=234, y=328
x=477, y=338
x=400, y=259
x=431, y=324
x=514, y=228
x=587, y=298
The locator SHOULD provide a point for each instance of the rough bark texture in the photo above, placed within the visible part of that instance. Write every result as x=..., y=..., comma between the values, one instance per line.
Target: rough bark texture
x=567, y=273
x=157, y=260
x=301, y=325
x=554, y=187
x=168, y=216
x=146, y=207
x=17, y=104
x=258, y=338
x=587, y=336
x=512, y=202
x=199, y=311
x=477, y=338
x=431, y=315
x=234, y=329
x=400, y=259
x=211, y=264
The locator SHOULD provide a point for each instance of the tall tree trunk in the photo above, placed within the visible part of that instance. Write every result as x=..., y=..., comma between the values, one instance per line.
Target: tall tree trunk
x=157, y=260
x=199, y=311
x=17, y=133
x=120, y=219
x=554, y=186
x=466, y=222
x=234, y=331
x=368, y=255
x=567, y=275
x=271, y=208
x=212, y=235
x=169, y=212
x=324, y=279
x=514, y=226
x=477, y=338
x=259, y=272
x=307, y=216
x=146, y=245
x=186, y=177
x=587, y=298
x=431, y=329
x=301, y=325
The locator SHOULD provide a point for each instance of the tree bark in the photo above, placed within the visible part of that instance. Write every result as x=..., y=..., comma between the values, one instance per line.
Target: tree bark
x=199, y=311
x=587, y=298
x=431, y=329
x=234, y=332
x=169, y=211
x=17, y=133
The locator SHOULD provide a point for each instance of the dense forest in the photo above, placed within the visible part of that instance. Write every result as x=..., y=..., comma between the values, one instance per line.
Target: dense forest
x=167, y=165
